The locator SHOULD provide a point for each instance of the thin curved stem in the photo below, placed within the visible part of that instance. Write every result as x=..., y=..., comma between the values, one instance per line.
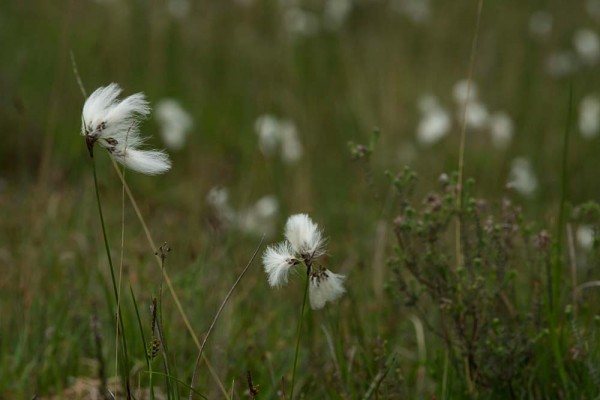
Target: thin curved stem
x=214, y=321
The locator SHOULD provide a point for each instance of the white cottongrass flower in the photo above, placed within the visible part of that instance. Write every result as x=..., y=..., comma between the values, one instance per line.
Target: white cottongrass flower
x=260, y=218
x=435, y=120
x=324, y=286
x=522, y=178
x=274, y=133
x=501, y=129
x=179, y=8
x=540, y=23
x=561, y=64
x=114, y=125
x=463, y=92
x=304, y=236
x=300, y=22
x=593, y=8
x=336, y=12
x=476, y=115
x=218, y=199
x=175, y=123
x=589, y=116
x=585, y=236
x=587, y=45
x=304, y=243
x=419, y=11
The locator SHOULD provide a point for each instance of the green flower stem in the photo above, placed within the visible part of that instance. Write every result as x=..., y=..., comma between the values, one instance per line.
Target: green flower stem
x=300, y=319
x=114, y=283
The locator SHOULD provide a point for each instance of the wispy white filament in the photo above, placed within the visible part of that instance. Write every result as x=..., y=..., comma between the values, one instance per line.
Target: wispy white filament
x=114, y=125
x=277, y=260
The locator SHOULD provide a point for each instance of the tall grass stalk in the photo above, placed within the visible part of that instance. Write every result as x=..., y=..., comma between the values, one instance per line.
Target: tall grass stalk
x=461, y=159
x=298, y=335
x=463, y=131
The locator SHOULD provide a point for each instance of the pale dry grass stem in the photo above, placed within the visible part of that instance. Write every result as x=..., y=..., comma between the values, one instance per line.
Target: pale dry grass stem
x=463, y=131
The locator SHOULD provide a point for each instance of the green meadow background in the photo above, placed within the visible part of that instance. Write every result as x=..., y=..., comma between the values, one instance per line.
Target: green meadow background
x=227, y=63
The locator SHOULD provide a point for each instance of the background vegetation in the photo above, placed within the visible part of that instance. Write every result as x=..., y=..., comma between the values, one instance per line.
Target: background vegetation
x=227, y=63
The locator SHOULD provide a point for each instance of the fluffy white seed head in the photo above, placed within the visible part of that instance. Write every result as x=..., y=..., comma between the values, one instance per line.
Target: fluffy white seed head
x=304, y=236
x=114, y=125
x=325, y=286
x=277, y=260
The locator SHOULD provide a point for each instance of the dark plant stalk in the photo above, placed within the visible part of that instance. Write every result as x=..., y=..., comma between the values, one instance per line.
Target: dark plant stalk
x=114, y=283
x=148, y=365
x=300, y=319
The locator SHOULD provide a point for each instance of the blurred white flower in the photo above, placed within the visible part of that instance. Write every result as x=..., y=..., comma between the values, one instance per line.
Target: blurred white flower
x=278, y=260
x=178, y=8
x=463, y=93
x=522, y=178
x=561, y=64
x=114, y=124
x=267, y=129
x=593, y=8
x=587, y=45
x=476, y=115
x=260, y=218
x=585, y=236
x=435, y=122
x=304, y=236
x=336, y=12
x=300, y=22
x=324, y=286
x=418, y=11
x=589, y=116
x=175, y=123
x=501, y=129
x=291, y=148
x=540, y=23
x=218, y=199
x=274, y=133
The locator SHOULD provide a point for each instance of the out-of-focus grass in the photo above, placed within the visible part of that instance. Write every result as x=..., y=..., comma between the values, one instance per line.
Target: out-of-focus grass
x=228, y=63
